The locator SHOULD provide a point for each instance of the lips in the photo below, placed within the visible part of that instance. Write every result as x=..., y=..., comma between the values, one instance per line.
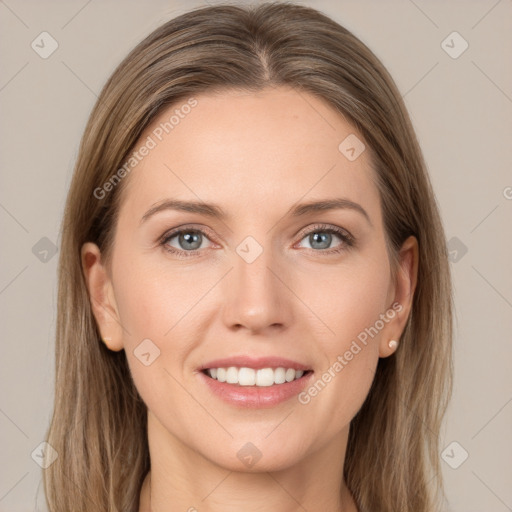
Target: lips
x=257, y=382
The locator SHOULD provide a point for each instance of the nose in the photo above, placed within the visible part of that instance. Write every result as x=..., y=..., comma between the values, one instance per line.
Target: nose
x=257, y=297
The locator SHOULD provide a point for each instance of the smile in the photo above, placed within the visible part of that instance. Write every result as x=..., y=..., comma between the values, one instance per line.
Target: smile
x=263, y=377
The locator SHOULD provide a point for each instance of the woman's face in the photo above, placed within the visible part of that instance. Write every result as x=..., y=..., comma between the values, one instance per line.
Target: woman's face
x=270, y=279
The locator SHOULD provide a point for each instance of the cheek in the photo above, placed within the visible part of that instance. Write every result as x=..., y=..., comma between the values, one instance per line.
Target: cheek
x=347, y=298
x=361, y=298
x=350, y=301
x=154, y=298
x=149, y=306
x=156, y=311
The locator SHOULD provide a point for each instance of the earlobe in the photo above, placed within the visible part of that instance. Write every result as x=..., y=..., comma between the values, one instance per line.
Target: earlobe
x=405, y=286
x=101, y=296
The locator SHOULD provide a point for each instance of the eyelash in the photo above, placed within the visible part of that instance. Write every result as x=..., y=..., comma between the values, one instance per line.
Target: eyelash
x=348, y=240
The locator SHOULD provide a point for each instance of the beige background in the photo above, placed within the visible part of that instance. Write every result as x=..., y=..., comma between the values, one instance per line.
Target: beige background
x=461, y=109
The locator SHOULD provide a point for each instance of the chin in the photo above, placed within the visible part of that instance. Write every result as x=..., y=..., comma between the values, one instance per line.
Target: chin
x=256, y=457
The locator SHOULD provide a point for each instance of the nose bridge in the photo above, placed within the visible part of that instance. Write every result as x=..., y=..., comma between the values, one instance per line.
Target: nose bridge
x=255, y=296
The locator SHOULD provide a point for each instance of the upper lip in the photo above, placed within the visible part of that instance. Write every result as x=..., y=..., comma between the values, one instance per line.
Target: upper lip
x=255, y=363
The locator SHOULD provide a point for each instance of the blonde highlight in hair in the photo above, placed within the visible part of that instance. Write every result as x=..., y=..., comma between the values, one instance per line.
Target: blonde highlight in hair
x=98, y=426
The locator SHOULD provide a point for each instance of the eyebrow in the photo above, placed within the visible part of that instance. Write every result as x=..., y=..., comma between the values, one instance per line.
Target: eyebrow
x=214, y=211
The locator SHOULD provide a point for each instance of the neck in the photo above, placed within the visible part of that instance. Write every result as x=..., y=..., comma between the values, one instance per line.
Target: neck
x=181, y=479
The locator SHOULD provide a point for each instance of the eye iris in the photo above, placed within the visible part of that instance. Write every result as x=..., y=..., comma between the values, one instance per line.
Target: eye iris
x=325, y=239
x=190, y=237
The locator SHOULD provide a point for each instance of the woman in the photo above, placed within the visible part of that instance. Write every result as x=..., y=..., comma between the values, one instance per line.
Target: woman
x=255, y=307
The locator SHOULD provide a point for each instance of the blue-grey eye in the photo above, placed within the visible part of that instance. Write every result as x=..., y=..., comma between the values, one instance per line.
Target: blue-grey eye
x=190, y=240
x=322, y=238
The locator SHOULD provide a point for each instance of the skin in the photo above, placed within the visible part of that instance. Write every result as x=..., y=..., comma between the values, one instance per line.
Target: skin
x=255, y=155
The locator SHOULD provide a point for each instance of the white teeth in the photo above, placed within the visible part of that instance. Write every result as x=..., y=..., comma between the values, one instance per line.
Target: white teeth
x=263, y=377
x=290, y=374
x=246, y=377
x=221, y=374
x=280, y=376
x=231, y=375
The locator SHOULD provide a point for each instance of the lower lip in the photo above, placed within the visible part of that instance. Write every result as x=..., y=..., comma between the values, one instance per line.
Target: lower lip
x=256, y=396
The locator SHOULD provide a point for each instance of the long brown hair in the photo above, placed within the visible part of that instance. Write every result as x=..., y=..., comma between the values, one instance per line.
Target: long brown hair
x=99, y=421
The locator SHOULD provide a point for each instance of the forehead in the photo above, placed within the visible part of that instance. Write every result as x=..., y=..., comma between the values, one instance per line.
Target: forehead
x=250, y=152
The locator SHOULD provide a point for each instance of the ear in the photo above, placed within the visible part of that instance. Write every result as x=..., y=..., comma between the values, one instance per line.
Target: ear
x=404, y=287
x=101, y=295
